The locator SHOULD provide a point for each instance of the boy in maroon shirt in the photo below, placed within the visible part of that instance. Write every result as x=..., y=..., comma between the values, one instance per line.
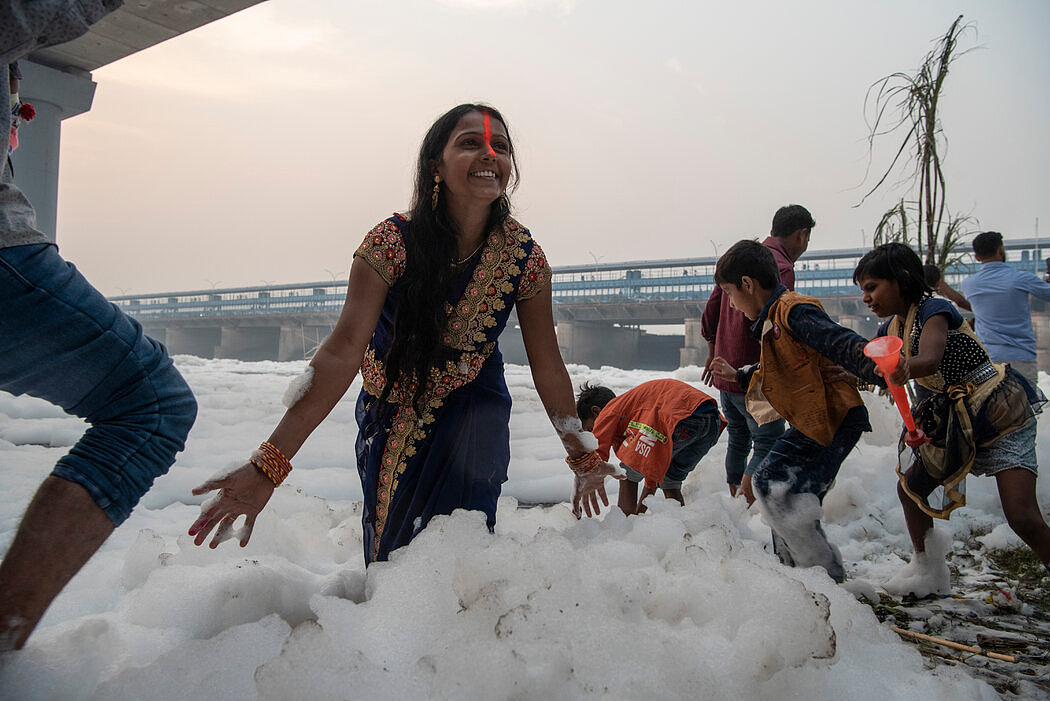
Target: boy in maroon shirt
x=728, y=336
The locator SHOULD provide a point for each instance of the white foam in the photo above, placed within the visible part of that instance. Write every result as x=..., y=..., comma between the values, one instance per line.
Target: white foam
x=546, y=607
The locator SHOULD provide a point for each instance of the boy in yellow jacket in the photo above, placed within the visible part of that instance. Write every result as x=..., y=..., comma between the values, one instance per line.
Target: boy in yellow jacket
x=797, y=378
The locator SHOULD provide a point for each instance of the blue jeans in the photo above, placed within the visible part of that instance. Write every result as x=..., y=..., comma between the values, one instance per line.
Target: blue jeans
x=790, y=485
x=693, y=436
x=60, y=340
x=744, y=431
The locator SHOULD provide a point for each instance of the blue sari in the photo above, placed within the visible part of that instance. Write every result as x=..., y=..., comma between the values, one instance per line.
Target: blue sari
x=454, y=453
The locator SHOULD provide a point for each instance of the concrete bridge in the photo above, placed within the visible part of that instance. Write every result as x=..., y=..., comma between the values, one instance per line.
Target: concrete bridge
x=602, y=311
x=605, y=313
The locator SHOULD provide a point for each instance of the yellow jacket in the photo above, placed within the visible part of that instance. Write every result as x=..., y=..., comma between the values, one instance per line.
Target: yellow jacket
x=789, y=379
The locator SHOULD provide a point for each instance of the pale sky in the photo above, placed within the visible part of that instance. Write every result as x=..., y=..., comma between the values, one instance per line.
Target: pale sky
x=261, y=148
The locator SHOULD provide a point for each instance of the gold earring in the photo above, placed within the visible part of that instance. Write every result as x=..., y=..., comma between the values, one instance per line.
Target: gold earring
x=437, y=191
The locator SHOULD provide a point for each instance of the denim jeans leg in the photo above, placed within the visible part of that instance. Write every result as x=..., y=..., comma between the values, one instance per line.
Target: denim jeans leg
x=633, y=475
x=790, y=486
x=62, y=341
x=737, y=427
x=693, y=437
x=763, y=437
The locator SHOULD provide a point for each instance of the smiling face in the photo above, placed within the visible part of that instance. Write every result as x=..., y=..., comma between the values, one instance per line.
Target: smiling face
x=476, y=162
x=746, y=297
x=882, y=296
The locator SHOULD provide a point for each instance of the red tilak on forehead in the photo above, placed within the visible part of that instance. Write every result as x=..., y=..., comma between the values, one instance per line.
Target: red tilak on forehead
x=488, y=135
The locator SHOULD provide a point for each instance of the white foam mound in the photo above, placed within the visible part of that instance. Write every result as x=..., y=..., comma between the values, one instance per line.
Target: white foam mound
x=681, y=602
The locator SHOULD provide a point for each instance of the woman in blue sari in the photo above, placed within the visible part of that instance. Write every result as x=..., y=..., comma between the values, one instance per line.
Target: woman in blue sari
x=429, y=294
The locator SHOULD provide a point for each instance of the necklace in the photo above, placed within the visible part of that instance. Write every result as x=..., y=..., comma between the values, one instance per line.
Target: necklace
x=472, y=254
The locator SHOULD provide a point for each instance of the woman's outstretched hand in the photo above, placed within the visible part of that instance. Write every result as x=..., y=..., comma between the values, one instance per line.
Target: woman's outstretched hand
x=244, y=491
x=590, y=486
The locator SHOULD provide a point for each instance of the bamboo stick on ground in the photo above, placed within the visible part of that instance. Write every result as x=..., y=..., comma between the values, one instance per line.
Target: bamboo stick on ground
x=957, y=646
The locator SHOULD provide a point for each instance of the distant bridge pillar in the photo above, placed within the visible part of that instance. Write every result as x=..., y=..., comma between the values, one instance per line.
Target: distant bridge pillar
x=249, y=342
x=694, y=347
x=597, y=343
x=1041, y=325
x=300, y=341
x=56, y=96
x=200, y=342
x=564, y=331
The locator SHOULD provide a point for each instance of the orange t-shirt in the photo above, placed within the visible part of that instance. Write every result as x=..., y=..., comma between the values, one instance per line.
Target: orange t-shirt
x=640, y=422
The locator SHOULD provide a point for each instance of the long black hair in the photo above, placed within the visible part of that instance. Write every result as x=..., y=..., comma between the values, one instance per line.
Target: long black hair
x=896, y=261
x=431, y=250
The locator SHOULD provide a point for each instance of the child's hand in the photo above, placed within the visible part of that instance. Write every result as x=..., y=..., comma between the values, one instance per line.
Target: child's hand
x=722, y=370
x=706, y=376
x=900, y=376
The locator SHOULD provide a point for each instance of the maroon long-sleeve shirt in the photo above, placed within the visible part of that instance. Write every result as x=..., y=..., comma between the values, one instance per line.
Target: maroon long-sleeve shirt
x=730, y=330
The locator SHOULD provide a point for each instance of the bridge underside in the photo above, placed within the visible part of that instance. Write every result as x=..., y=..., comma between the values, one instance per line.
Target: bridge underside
x=627, y=312
x=588, y=334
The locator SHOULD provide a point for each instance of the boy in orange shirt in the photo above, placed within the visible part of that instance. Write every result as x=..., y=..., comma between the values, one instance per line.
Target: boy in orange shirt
x=660, y=430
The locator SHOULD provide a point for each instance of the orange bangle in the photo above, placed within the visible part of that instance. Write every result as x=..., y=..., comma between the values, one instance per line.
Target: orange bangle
x=271, y=462
x=585, y=463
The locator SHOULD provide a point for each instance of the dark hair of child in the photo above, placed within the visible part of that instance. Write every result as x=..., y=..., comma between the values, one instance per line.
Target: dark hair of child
x=749, y=258
x=592, y=396
x=897, y=262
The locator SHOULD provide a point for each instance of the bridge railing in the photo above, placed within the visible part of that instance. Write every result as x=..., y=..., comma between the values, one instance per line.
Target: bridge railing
x=827, y=273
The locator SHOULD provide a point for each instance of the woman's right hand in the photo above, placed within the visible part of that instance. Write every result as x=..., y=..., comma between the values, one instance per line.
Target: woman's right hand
x=244, y=491
x=590, y=486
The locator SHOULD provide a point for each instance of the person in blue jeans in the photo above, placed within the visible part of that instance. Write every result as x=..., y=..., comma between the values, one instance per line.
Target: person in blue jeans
x=728, y=335
x=60, y=340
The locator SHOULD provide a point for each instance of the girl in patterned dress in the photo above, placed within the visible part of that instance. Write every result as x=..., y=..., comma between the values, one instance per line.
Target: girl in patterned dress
x=430, y=291
x=980, y=416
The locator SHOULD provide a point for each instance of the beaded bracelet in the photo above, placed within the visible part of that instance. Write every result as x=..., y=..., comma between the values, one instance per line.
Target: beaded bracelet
x=585, y=463
x=271, y=462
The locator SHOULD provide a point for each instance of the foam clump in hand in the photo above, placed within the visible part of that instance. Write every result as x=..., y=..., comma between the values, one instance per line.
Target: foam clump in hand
x=572, y=426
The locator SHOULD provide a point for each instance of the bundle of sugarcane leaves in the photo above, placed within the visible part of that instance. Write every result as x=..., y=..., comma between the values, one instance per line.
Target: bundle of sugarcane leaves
x=996, y=621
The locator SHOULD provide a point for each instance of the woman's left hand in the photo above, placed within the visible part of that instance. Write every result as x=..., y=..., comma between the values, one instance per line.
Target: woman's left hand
x=588, y=487
x=243, y=492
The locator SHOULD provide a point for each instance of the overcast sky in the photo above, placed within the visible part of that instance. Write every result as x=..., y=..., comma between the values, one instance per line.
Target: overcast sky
x=261, y=148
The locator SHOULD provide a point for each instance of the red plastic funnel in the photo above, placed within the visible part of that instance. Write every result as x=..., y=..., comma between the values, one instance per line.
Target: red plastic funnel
x=885, y=351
